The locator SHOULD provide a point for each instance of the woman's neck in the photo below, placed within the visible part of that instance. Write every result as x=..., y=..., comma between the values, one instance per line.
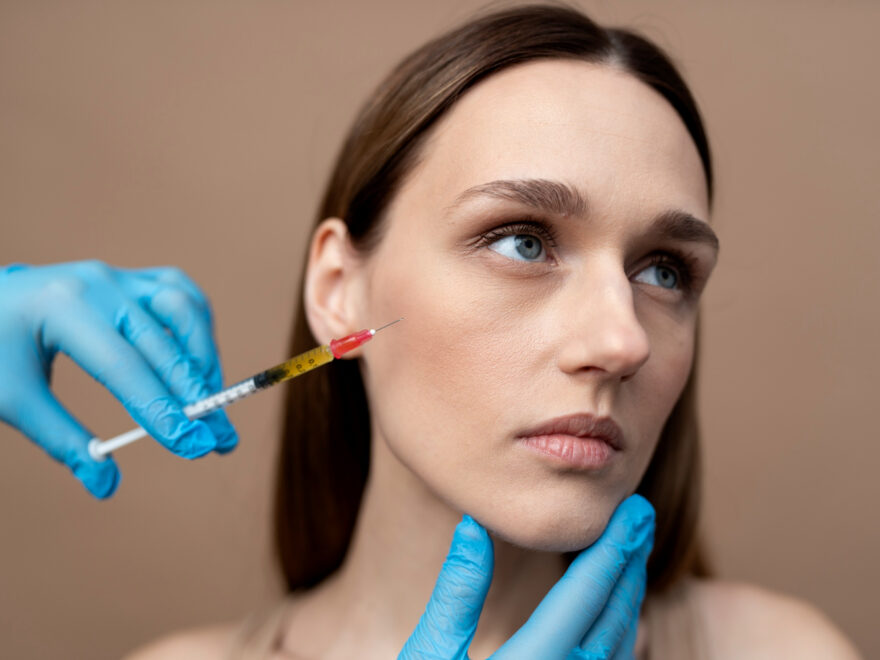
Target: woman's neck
x=399, y=544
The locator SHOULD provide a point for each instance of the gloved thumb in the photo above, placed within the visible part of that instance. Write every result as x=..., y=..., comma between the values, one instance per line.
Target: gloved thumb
x=450, y=619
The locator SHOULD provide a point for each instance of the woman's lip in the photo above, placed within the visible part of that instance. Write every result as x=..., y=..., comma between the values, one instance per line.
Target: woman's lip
x=572, y=451
x=581, y=426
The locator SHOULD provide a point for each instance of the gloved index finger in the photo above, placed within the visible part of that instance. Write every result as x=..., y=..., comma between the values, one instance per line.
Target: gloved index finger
x=575, y=602
x=613, y=633
x=447, y=627
x=184, y=310
x=173, y=276
x=174, y=366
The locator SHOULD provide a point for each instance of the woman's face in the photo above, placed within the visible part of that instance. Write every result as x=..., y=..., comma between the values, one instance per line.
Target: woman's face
x=548, y=253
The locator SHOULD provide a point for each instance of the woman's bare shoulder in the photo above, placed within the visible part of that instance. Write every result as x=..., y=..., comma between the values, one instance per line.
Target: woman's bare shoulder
x=208, y=643
x=746, y=621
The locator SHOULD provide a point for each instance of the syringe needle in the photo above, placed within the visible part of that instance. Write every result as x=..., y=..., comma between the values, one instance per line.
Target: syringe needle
x=387, y=324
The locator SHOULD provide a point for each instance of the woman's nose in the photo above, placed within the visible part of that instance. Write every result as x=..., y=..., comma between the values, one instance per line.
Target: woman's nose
x=601, y=330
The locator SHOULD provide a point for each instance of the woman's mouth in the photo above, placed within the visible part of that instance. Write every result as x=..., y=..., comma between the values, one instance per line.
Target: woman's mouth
x=581, y=441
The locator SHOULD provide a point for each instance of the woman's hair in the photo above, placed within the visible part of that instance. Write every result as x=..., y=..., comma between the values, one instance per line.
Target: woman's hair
x=323, y=465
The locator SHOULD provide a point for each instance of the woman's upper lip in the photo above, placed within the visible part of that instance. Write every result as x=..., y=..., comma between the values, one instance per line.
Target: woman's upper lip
x=583, y=425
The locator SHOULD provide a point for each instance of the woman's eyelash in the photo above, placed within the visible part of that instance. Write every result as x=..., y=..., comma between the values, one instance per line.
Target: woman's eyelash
x=684, y=264
x=534, y=227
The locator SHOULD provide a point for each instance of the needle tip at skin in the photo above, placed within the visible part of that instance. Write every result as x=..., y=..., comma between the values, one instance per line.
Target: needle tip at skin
x=387, y=324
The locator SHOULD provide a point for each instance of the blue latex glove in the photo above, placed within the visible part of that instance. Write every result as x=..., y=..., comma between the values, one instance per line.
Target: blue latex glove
x=591, y=613
x=146, y=335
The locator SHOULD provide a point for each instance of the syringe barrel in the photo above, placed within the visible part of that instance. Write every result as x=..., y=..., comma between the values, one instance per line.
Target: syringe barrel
x=98, y=449
x=220, y=400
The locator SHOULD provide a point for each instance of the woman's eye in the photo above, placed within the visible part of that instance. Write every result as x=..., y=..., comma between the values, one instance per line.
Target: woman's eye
x=659, y=275
x=522, y=247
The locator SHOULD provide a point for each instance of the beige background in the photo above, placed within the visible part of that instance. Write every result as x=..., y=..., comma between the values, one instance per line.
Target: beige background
x=200, y=134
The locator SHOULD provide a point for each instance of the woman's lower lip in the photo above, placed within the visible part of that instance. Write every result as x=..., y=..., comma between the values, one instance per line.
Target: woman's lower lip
x=583, y=453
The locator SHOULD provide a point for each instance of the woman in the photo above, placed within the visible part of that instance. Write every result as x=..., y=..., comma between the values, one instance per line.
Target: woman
x=531, y=193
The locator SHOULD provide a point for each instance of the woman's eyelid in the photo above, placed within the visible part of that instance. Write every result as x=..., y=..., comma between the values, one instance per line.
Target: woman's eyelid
x=663, y=260
x=692, y=268
x=539, y=228
x=686, y=262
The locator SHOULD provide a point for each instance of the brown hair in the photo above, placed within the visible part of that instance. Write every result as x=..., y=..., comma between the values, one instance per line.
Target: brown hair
x=323, y=466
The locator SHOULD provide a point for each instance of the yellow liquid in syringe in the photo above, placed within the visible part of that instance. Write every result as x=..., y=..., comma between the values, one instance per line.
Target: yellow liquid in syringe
x=297, y=365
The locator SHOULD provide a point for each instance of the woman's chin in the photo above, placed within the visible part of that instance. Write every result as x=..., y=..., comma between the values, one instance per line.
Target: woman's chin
x=550, y=533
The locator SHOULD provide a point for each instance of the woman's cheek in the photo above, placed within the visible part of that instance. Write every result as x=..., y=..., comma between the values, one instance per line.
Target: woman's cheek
x=413, y=369
x=665, y=375
x=452, y=313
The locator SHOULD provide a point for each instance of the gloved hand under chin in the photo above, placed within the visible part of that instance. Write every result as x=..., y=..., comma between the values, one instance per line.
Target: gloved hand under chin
x=592, y=612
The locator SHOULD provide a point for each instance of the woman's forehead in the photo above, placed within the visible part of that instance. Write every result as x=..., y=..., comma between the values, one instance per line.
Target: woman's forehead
x=591, y=125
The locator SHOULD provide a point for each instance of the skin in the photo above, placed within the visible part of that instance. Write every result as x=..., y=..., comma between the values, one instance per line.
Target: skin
x=492, y=345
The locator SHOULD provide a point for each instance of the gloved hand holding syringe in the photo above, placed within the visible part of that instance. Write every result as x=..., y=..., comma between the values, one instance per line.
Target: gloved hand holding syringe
x=302, y=363
x=146, y=335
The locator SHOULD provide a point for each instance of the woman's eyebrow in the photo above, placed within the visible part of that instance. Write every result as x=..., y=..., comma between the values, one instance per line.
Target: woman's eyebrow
x=681, y=226
x=557, y=198
x=541, y=194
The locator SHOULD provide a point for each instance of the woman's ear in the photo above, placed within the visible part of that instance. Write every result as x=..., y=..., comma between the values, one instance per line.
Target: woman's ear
x=332, y=283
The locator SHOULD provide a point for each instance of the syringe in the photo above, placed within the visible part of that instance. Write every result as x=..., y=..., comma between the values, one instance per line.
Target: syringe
x=294, y=367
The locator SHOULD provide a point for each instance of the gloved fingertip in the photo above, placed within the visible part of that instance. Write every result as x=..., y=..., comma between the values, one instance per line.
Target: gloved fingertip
x=227, y=443
x=108, y=487
x=224, y=432
x=100, y=478
x=471, y=545
x=639, y=509
x=640, y=512
x=471, y=532
x=196, y=441
x=632, y=525
x=469, y=526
